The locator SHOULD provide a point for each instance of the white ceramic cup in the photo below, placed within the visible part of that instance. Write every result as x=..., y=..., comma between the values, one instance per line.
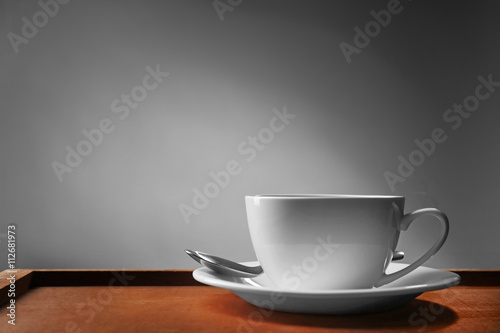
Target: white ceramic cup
x=328, y=242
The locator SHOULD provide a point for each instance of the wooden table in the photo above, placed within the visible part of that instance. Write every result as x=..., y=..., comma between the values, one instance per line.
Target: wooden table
x=172, y=301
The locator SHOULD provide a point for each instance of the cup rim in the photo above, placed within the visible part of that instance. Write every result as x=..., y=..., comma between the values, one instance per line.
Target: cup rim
x=325, y=196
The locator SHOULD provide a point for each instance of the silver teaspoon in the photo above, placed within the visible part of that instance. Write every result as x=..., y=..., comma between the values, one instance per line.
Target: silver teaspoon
x=224, y=266
x=233, y=269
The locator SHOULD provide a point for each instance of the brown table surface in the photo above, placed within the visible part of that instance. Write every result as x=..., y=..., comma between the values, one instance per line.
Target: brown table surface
x=172, y=301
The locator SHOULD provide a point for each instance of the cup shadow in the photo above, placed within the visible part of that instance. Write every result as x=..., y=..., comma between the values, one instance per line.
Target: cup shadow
x=415, y=315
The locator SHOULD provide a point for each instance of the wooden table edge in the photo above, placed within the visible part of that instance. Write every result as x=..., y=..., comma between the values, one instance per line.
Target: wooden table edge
x=24, y=279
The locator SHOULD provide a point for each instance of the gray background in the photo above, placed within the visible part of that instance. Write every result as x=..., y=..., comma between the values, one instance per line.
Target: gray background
x=120, y=207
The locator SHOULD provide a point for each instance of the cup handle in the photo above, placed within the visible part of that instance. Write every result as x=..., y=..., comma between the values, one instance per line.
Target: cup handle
x=403, y=225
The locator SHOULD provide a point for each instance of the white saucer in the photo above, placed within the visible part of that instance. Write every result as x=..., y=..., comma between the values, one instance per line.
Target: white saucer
x=260, y=292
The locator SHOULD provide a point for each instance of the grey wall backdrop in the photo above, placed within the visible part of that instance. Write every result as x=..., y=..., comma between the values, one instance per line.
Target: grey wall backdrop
x=115, y=114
